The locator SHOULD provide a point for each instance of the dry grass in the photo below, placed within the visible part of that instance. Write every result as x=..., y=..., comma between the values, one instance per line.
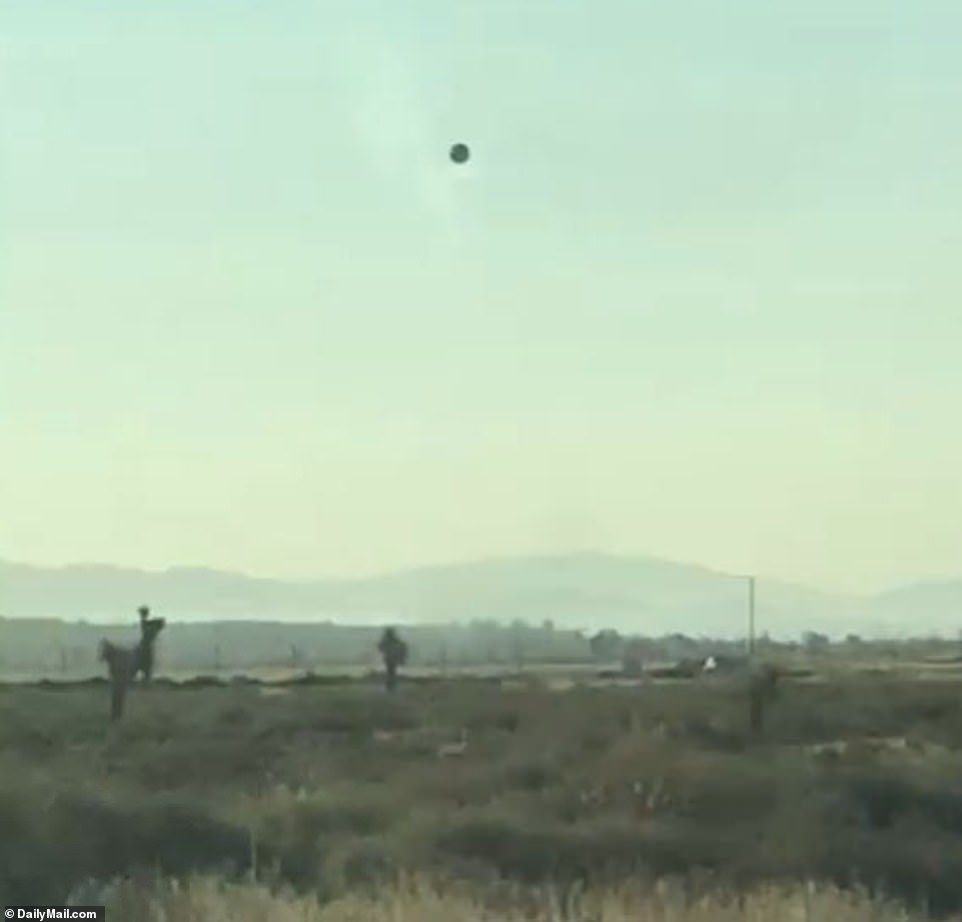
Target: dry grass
x=208, y=899
x=334, y=789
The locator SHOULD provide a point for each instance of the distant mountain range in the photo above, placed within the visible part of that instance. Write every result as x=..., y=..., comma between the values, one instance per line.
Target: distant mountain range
x=584, y=590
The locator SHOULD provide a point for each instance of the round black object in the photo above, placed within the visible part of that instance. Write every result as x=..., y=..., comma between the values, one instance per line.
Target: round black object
x=460, y=153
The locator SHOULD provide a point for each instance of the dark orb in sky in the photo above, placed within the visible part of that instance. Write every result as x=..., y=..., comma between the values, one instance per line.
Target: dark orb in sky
x=459, y=153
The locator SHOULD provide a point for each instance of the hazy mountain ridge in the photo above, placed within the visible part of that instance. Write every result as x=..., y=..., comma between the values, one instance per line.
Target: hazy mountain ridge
x=583, y=590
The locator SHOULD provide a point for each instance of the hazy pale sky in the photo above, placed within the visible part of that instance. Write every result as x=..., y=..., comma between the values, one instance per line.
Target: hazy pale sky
x=697, y=295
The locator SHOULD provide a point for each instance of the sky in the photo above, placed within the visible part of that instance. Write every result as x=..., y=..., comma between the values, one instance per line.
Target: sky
x=696, y=295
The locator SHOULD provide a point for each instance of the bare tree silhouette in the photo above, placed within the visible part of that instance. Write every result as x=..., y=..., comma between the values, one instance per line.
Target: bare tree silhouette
x=394, y=652
x=149, y=629
x=124, y=663
x=762, y=689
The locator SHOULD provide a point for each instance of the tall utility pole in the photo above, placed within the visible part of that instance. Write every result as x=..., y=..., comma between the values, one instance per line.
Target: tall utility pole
x=751, y=608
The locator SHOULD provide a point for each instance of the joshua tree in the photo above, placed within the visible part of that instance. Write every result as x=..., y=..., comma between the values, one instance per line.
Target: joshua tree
x=394, y=652
x=123, y=663
x=149, y=629
x=762, y=689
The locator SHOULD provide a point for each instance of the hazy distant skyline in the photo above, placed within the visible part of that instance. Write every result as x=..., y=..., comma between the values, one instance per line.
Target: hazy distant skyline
x=696, y=295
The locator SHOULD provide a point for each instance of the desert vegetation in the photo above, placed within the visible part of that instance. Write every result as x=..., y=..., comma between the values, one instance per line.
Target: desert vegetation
x=423, y=900
x=328, y=789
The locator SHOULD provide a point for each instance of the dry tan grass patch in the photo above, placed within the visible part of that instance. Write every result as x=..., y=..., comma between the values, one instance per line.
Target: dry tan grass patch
x=416, y=899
